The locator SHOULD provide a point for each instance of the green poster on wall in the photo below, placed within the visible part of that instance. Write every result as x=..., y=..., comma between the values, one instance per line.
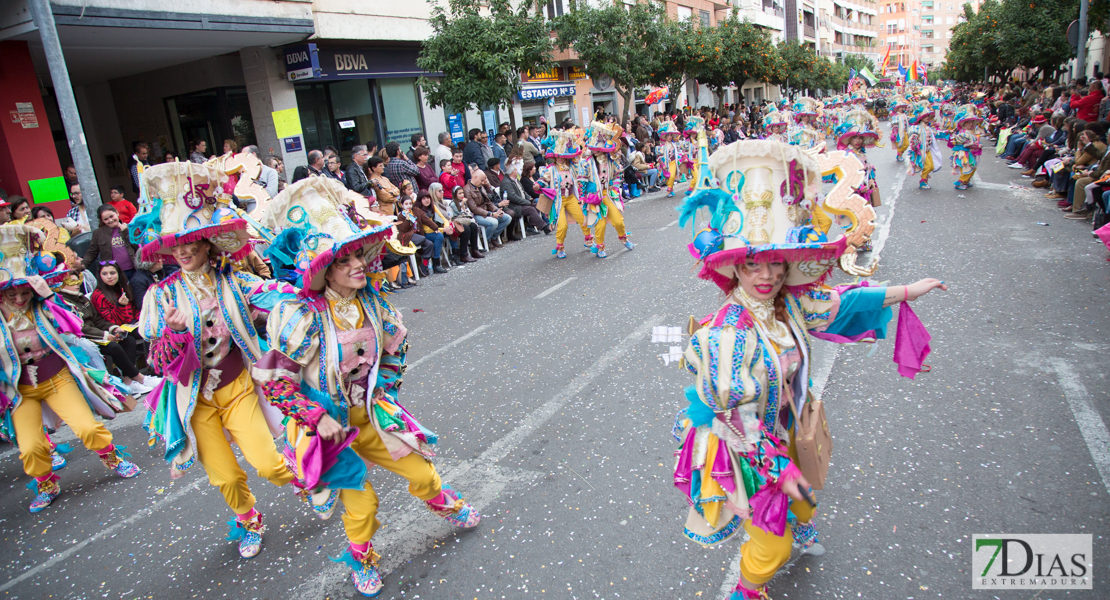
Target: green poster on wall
x=48, y=190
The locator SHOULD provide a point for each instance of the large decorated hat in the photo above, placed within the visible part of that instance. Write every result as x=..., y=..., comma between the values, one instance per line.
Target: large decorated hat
x=694, y=126
x=315, y=223
x=183, y=202
x=668, y=127
x=858, y=122
x=898, y=103
x=921, y=110
x=602, y=137
x=967, y=113
x=807, y=107
x=22, y=256
x=564, y=143
x=765, y=206
x=774, y=117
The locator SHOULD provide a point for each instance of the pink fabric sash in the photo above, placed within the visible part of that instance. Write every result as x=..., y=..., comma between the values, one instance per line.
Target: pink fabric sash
x=911, y=342
x=321, y=455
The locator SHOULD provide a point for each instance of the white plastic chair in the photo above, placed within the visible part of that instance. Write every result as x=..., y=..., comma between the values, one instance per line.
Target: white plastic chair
x=88, y=282
x=523, y=235
x=415, y=268
x=482, y=239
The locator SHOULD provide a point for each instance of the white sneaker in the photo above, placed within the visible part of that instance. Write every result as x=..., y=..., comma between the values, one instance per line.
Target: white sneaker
x=137, y=388
x=1016, y=166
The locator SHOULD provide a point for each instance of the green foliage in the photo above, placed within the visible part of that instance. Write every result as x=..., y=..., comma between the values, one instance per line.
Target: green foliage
x=729, y=54
x=632, y=44
x=858, y=62
x=481, y=55
x=1006, y=34
x=803, y=69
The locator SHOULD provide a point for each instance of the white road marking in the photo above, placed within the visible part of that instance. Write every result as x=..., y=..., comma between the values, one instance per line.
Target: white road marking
x=1089, y=421
x=551, y=289
x=61, y=556
x=671, y=224
x=442, y=349
x=414, y=531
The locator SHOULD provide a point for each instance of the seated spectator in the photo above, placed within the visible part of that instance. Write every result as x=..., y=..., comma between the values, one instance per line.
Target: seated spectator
x=432, y=224
x=110, y=242
x=426, y=173
x=520, y=205
x=408, y=233
x=123, y=206
x=148, y=274
x=646, y=171
x=493, y=172
x=21, y=209
x=463, y=219
x=490, y=216
x=399, y=169
x=76, y=220
x=529, y=183
x=455, y=174
x=115, y=343
x=113, y=298
x=41, y=212
x=386, y=193
x=1086, y=107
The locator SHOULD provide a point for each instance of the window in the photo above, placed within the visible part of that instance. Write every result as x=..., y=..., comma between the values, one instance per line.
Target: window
x=555, y=8
x=705, y=18
x=948, y=34
x=927, y=49
x=950, y=20
x=685, y=13
x=928, y=34
x=927, y=19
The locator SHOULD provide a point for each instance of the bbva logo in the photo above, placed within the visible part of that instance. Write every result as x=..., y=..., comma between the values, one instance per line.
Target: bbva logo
x=296, y=57
x=350, y=62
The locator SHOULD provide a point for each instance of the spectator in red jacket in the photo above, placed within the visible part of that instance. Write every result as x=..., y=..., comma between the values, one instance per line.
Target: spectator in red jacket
x=1086, y=107
x=453, y=174
x=127, y=210
x=113, y=297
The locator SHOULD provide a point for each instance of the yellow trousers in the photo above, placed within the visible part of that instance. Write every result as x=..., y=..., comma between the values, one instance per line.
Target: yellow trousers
x=766, y=553
x=928, y=166
x=614, y=216
x=360, y=517
x=571, y=209
x=234, y=407
x=966, y=178
x=62, y=395
x=673, y=168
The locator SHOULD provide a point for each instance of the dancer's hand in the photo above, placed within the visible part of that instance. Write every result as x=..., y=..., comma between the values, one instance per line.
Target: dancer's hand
x=175, y=320
x=794, y=488
x=330, y=429
x=39, y=285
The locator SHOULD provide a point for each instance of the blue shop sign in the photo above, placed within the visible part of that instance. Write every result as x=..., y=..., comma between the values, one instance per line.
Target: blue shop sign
x=546, y=91
x=302, y=62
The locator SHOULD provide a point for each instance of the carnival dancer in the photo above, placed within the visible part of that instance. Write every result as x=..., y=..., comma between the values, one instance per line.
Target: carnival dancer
x=42, y=380
x=805, y=133
x=200, y=324
x=774, y=127
x=695, y=126
x=768, y=245
x=670, y=153
x=336, y=367
x=857, y=132
x=603, y=141
x=965, y=145
x=566, y=177
x=899, y=127
x=925, y=157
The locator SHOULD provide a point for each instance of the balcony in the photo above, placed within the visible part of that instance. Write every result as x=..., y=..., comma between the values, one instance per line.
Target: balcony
x=809, y=31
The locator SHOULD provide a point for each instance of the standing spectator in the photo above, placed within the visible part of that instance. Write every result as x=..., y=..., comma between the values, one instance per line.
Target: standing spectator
x=456, y=173
x=500, y=152
x=399, y=169
x=267, y=178
x=477, y=152
x=20, y=209
x=443, y=151
x=76, y=220
x=535, y=140
x=5, y=212
x=71, y=175
x=110, y=242
x=142, y=152
x=493, y=172
x=426, y=173
x=479, y=197
x=278, y=166
x=317, y=163
x=416, y=140
x=123, y=206
x=231, y=146
x=335, y=170
x=356, y=171
x=642, y=131
x=385, y=191
x=199, y=148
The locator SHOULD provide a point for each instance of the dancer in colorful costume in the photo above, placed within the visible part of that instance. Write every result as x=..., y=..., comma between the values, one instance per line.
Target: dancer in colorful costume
x=43, y=381
x=925, y=157
x=670, y=153
x=899, y=127
x=965, y=145
x=768, y=243
x=805, y=133
x=200, y=323
x=857, y=132
x=336, y=367
x=603, y=141
x=695, y=127
x=775, y=125
x=567, y=178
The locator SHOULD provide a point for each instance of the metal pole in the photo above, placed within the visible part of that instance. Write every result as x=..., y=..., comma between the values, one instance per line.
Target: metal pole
x=1081, y=52
x=67, y=105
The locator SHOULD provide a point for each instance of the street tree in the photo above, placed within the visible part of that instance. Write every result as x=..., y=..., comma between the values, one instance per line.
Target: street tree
x=482, y=47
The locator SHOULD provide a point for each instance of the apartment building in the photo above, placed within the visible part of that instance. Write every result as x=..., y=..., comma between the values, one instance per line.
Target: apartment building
x=919, y=29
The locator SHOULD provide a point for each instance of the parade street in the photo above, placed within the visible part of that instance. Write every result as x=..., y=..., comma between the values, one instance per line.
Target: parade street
x=554, y=409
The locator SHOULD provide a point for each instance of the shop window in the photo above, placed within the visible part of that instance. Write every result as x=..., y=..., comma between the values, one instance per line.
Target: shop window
x=401, y=110
x=312, y=105
x=213, y=116
x=352, y=106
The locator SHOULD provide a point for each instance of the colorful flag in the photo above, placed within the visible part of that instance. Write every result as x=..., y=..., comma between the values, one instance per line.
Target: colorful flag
x=921, y=72
x=902, y=71
x=868, y=75
x=886, y=59
x=913, y=70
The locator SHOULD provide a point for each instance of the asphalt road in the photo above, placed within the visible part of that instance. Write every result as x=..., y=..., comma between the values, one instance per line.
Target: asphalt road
x=554, y=411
